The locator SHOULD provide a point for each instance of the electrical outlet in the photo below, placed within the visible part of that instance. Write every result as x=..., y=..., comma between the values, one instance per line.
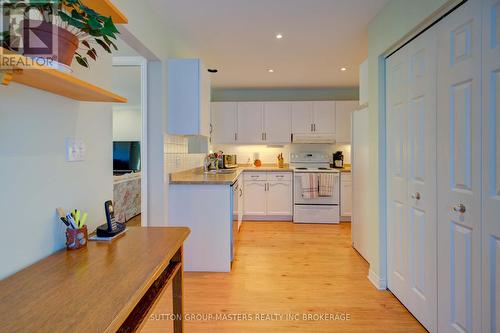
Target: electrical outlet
x=75, y=150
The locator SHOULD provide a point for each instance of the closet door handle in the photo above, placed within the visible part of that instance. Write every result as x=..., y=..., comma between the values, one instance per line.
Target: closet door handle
x=460, y=208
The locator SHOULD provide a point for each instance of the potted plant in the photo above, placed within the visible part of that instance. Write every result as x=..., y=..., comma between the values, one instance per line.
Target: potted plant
x=77, y=28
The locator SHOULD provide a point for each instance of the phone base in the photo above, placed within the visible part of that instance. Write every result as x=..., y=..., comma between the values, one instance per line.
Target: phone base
x=103, y=231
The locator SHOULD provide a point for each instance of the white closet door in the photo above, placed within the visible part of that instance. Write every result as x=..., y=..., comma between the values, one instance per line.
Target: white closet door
x=411, y=131
x=491, y=170
x=397, y=177
x=459, y=170
x=422, y=215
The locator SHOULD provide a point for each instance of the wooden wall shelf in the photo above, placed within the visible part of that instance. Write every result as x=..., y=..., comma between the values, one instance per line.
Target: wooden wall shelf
x=106, y=8
x=54, y=81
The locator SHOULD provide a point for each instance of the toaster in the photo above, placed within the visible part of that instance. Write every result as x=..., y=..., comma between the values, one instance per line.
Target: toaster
x=229, y=162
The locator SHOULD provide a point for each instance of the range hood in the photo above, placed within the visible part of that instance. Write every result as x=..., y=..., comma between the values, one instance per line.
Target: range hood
x=313, y=138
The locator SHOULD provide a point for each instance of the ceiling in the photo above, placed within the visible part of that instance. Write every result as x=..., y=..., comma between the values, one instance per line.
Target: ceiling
x=238, y=37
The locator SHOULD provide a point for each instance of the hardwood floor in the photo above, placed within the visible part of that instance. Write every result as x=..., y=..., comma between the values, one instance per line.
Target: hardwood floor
x=135, y=221
x=285, y=268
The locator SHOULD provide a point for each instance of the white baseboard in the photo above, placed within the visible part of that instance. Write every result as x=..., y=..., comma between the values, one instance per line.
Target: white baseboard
x=379, y=283
x=257, y=218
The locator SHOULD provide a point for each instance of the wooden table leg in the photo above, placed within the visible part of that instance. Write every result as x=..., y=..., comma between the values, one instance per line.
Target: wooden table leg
x=177, y=292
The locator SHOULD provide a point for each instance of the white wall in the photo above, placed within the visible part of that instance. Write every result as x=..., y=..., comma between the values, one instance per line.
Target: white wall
x=126, y=124
x=34, y=175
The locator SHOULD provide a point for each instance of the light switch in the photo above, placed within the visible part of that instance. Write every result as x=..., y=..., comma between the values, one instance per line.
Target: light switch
x=75, y=150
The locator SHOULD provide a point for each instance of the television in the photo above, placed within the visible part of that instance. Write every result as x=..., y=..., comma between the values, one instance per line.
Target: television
x=126, y=156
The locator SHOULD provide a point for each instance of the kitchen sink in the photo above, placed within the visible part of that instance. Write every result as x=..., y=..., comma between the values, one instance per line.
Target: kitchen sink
x=220, y=172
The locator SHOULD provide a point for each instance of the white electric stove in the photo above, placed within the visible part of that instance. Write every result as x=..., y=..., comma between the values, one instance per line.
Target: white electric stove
x=317, y=210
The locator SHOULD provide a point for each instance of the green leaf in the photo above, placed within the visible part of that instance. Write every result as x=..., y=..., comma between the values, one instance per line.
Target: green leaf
x=94, y=24
x=88, y=11
x=71, y=21
x=103, y=45
x=82, y=61
x=109, y=25
x=92, y=53
x=76, y=15
x=110, y=42
x=106, y=32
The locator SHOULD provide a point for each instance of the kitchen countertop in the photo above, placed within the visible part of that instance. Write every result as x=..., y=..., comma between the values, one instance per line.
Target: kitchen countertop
x=346, y=168
x=198, y=177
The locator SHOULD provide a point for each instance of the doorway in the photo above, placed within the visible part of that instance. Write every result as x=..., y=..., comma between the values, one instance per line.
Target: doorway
x=130, y=141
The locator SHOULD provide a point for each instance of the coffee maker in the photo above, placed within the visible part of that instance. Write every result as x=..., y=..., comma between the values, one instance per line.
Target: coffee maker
x=338, y=160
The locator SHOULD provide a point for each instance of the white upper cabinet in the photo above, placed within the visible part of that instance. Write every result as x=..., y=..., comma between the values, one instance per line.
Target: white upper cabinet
x=188, y=98
x=250, y=122
x=224, y=122
x=313, y=117
x=277, y=122
x=302, y=117
x=324, y=117
x=344, y=110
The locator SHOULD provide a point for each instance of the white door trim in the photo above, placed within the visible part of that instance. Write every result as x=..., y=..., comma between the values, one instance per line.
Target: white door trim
x=141, y=62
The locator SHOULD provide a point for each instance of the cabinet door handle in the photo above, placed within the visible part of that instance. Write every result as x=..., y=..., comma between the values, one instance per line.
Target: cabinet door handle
x=416, y=196
x=312, y=128
x=235, y=136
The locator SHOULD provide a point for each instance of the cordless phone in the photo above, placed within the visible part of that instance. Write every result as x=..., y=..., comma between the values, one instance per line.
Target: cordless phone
x=110, y=215
x=111, y=228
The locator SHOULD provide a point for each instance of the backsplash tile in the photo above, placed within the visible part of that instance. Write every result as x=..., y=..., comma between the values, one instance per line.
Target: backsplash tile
x=268, y=154
x=177, y=157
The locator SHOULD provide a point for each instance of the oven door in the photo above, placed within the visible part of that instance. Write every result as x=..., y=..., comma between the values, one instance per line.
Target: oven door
x=299, y=200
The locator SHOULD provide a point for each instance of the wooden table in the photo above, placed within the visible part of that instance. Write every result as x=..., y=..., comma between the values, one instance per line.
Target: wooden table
x=105, y=287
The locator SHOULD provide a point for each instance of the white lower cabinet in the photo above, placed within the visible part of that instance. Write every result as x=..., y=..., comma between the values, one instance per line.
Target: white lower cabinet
x=255, y=198
x=268, y=196
x=346, y=196
x=279, y=196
